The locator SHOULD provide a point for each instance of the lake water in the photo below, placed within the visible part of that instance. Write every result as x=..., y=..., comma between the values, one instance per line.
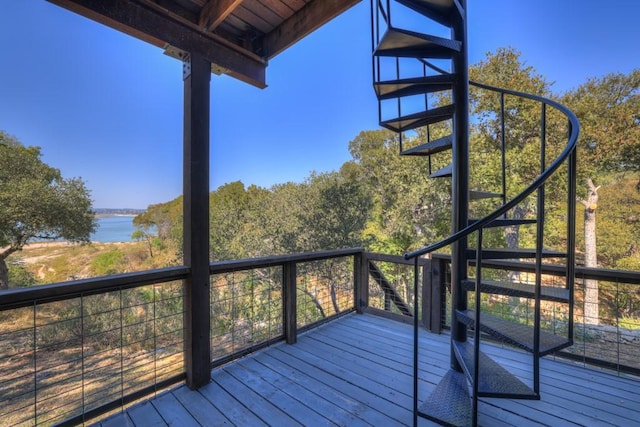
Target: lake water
x=114, y=229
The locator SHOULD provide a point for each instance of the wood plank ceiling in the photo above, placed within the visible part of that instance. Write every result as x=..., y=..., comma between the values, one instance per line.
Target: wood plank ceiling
x=238, y=37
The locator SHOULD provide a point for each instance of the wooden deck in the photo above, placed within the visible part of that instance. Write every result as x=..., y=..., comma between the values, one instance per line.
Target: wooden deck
x=357, y=371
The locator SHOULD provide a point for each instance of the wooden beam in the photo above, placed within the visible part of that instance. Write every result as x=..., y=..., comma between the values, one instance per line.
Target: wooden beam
x=197, y=313
x=315, y=14
x=216, y=11
x=160, y=27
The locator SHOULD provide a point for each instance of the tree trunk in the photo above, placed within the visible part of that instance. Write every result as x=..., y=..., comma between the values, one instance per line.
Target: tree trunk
x=4, y=274
x=512, y=232
x=315, y=301
x=334, y=297
x=591, y=314
x=512, y=235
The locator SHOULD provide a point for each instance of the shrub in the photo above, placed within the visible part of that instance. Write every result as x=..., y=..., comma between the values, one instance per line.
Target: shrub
x=19, y=277
x=111, y=262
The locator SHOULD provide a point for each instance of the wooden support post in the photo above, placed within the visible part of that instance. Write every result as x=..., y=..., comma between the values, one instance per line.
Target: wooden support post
x=360, y=282
x=362, y=300
x=290, y=302
x=427, y=299
x=433, y=276
x=197, y=320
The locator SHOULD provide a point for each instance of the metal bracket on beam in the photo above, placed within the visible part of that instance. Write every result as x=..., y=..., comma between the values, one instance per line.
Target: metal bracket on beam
x=181, y=55
x=186, y=67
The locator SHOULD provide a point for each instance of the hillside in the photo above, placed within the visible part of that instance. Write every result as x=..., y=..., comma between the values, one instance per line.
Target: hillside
x=61, y=261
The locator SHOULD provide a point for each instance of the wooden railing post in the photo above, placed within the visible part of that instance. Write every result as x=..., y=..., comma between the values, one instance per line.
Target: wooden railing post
x=360, y=282
x=434, y=275
x=290, y=297
x=427, y=285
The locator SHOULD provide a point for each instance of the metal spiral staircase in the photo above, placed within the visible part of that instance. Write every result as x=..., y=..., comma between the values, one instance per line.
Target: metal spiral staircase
x=404, y=98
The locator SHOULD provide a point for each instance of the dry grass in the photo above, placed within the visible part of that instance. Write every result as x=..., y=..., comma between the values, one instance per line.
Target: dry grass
x=64, y=358
x=61, y=261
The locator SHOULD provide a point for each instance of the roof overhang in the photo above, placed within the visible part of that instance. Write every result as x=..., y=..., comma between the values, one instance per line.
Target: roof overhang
x=237, y=36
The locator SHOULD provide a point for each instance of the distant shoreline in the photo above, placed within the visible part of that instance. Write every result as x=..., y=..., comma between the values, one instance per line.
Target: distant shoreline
x=111, y=228
x=110, y=212
x=59, y=243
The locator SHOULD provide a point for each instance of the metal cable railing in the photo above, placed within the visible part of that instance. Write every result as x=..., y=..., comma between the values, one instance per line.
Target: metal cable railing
x=74, y=350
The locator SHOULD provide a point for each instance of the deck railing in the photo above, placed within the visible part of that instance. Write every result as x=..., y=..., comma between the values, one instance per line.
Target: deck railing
x=73, y=351
x=76, y=350
x=390, y=285
x=612, y=340
x=255, y=302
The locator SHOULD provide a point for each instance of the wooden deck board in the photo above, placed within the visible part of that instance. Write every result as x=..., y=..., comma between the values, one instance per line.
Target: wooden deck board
x=264, y=385
x=172, y=411
x=345, y=402
x=200, y=408
x=146, y=414
x=362, y=389
x=118, y=420
x=357, y=371
x=308, y=397
x=251, y=400
x=228, y=406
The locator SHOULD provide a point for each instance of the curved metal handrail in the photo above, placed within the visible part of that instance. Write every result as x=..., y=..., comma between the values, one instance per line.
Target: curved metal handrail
x=537, y=183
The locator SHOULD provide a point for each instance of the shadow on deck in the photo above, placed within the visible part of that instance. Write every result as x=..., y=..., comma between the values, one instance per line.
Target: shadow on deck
x=357, y=371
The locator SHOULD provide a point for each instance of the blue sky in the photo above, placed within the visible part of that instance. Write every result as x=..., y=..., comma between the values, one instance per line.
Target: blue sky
x=108, y=108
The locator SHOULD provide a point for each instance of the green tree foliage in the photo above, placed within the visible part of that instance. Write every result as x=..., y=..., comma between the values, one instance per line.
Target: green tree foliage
x=409, y=210
x=36, y=202
x=327, y=211
x=334, y=211
x=166, y=218
x=228, y=208
x=609, y=112
x=618, y=227
x=19, y=277
x=523, y=142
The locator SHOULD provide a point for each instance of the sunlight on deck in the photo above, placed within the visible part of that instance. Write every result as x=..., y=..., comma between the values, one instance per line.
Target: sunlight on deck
x=357, y=371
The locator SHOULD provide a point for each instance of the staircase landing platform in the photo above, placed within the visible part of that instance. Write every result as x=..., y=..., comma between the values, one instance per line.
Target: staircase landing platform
x=357, y=370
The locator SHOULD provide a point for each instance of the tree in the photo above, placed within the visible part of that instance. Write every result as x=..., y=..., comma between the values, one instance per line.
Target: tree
x=609, y=112
x=608, y=109
x=590, y=253
x=409, y=209
x=228, y=207
x=36, y=202
x=166, y=220
x=140, y=235
x=504, y=68
x=335, y=209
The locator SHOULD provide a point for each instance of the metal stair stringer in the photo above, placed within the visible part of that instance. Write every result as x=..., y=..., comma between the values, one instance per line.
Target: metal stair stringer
x=389, y=292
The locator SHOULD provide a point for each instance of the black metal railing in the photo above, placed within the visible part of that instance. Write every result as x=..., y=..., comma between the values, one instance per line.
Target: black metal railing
x=566, y=156
x=390, y=285
x=74, y=350
x=256, y=302
x=612, y=340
